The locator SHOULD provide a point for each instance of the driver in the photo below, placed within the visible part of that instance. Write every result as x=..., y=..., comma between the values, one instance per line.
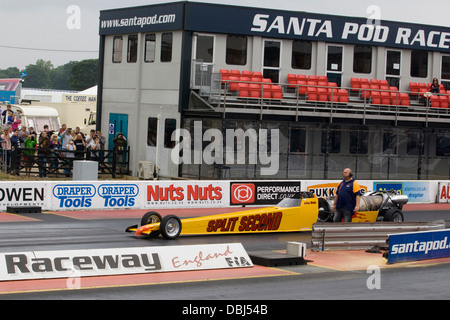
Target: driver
x=348, y=195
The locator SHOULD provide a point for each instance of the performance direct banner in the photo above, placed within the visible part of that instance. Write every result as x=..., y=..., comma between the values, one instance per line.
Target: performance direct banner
x=262, y=192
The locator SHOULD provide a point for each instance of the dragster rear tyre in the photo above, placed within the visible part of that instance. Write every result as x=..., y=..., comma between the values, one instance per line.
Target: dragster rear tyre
x=170, y=227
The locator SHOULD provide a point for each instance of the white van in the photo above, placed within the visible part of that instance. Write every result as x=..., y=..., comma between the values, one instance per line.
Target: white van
x=37, y=117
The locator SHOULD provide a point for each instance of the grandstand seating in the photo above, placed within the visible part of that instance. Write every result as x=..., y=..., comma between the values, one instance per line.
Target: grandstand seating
x=317, y=88
x=248, y=84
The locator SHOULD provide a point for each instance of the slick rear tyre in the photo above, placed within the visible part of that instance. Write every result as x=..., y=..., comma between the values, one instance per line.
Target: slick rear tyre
x=394, y=215
x=149, y=218
x=170, y=227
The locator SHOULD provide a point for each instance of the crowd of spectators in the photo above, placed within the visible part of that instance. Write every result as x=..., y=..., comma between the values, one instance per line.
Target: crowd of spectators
x=51, y=151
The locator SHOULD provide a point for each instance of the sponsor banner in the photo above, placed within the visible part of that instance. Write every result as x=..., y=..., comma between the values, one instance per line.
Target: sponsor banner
x=186, y=194
x=95, y=195
x=261, y=192
x=102, y=262
x=443, y=195
x=24, y=194
x=416, y=191
x=325, y=190
x=419, y=246
x=275, y=24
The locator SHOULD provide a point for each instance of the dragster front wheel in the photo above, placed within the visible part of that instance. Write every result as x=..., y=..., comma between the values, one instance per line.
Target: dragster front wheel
x=170, y=227
x=149, y=218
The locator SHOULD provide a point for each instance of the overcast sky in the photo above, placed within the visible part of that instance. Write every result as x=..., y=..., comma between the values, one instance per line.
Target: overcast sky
x=42, y=24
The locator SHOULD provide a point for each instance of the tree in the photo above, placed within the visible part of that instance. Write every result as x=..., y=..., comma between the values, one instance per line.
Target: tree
x=39, y=75
x=84, y=74
x=61, y=75
x=11, y=72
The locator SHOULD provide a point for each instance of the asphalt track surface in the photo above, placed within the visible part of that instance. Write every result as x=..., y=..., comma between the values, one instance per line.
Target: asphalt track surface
x=327, y=276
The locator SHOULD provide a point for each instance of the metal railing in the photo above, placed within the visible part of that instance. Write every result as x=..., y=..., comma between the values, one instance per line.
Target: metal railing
x=59, y=162
x=365, y=235
x=219, y=95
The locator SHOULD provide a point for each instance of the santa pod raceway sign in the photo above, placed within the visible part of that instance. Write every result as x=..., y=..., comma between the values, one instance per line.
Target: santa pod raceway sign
x=419, y=246
x=103, y=262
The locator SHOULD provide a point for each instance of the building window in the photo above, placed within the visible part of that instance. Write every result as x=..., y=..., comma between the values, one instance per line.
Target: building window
x=297, y=140
x=236, y=50
x=166, y=47
x=419, y=64
x=331, y=139
x=205, y=49
x=152, y=132
x=170, y=125
x=362, y=59
x=150, y=45
x=442, y=143
x=393, y=61
x=389, y=142
x=132, y=48
x=301, y=54
x=117, y=49
x=359, y=140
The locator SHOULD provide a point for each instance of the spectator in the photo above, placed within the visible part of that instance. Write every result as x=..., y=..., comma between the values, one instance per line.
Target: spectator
x=80, y=146
x=95, y=149
x=43, y=153
x=66, y=136
x=120, y=145
x=435, y=88
x=101, y=153
x=28, y=153
x=6, y=146
x=90, y=139
x=7, y=115
x=15, y=122
x=55, y=145
x=23, y=134
x=62, y=129
x=69, y=156
x=15, y=152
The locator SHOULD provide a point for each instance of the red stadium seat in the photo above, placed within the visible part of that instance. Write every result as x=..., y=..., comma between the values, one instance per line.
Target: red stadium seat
x=235, y=72
x=434, y=101
x=355, y=84
x=311, y=92
x=225, y=75
x=246, y=73
x=376, y=97
x=365, y=91
x=322, y=94
x=343, y=95
x=414, y=88
x=333, y=94
x=277, y=92
x=443, y=102
x=267, y=91
x=257, y=74
x=234, y=82
x=385, y=97
x=292, y=80
x=255, y=90
x=243, y=90
x=302, y=86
